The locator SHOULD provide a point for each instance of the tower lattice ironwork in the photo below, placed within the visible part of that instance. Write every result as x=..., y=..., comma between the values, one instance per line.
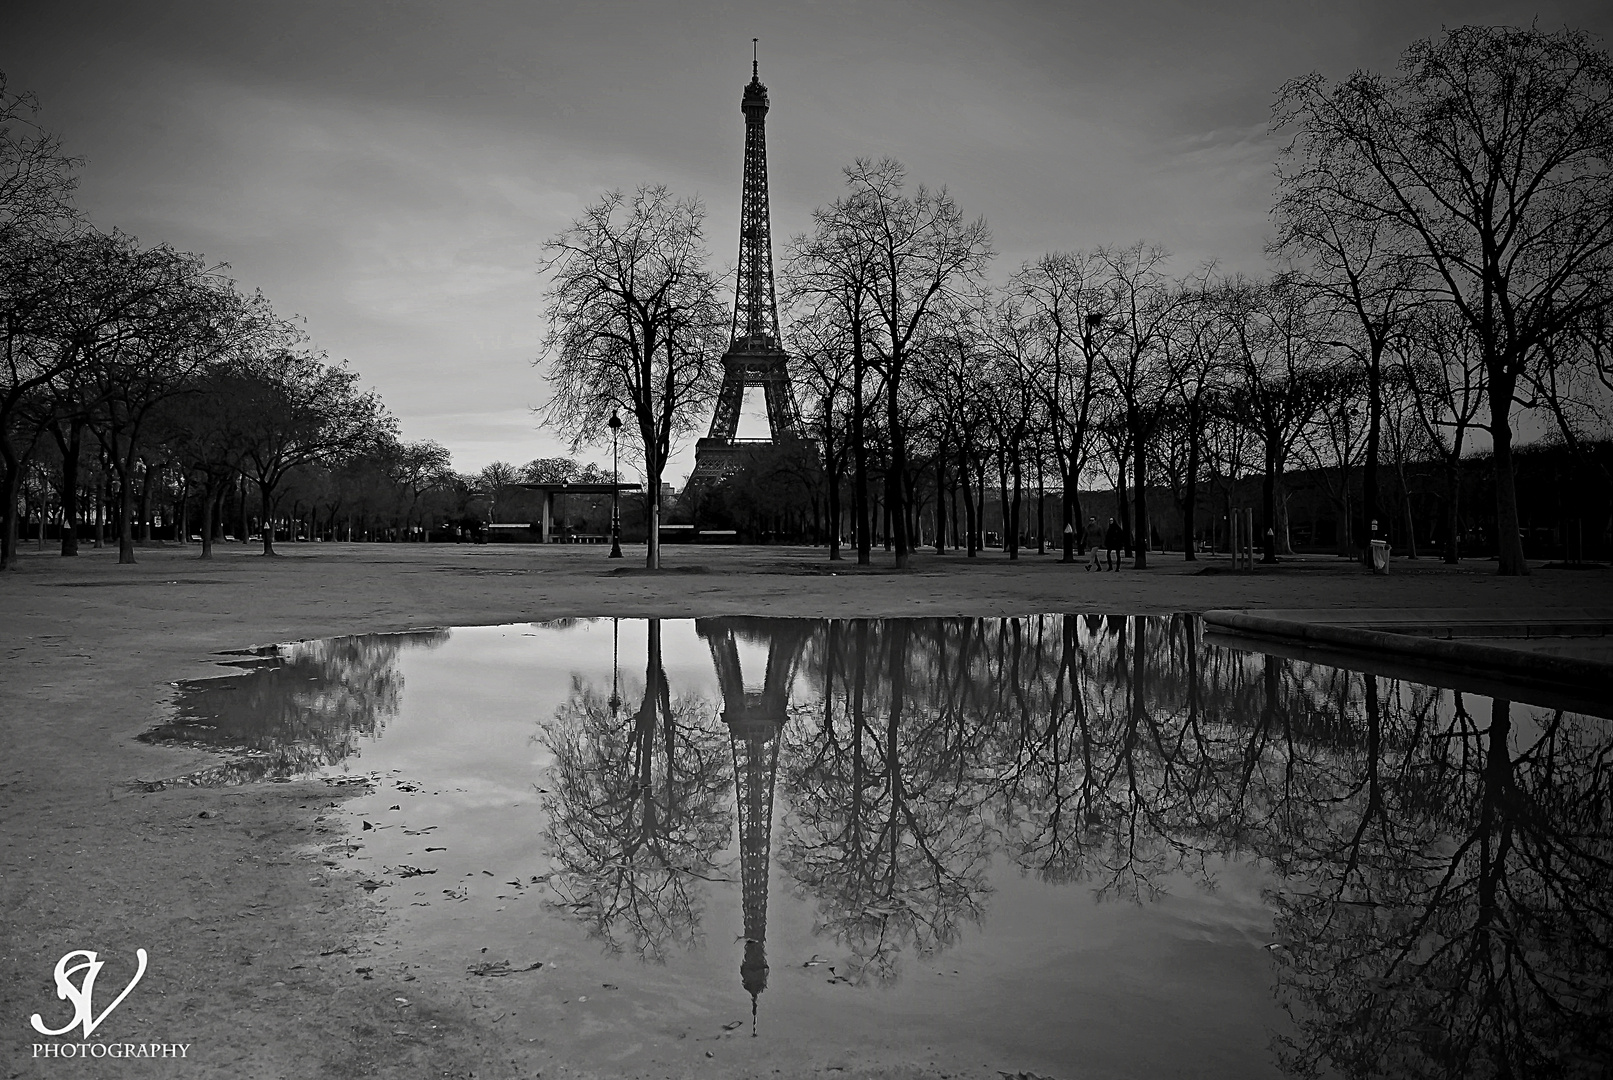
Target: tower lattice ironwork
x=754, y=356
x=755, y=720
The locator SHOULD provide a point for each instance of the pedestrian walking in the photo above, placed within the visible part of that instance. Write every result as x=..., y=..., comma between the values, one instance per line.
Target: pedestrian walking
x=1114, y=539
x=1094, y=540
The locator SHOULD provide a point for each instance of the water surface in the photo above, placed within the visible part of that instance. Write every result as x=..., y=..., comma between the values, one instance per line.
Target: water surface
x=1070, y=845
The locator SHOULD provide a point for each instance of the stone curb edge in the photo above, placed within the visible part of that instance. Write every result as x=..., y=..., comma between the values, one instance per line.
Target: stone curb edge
x=1591, y=677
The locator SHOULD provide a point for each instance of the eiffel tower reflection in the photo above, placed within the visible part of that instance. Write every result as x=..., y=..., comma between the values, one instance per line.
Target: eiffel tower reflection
x=754, y=719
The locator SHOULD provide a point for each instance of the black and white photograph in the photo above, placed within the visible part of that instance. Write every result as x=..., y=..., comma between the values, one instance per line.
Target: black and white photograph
x=854, y=540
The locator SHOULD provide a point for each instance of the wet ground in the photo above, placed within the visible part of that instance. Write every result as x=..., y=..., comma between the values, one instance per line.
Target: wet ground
x=1063, y=845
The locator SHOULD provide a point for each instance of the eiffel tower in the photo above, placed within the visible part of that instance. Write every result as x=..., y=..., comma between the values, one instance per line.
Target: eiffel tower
x=754, y=357
x=754, y=721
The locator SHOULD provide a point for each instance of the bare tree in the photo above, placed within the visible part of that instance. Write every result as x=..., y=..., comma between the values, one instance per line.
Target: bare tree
x=1489, y=156
x=1206, y=353
x=829, y=277
x=822, y=359
x=951, y=376
x=924, y=255
x=1143, y=361
x=1440, y=363
x=1010, y=401
x=1282, y=380
x=1363, y=264
x=635, y=325
x=1061, y=294
x=1333, y=445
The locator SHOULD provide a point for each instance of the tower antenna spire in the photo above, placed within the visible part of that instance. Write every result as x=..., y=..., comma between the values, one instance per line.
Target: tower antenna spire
x=753, y=59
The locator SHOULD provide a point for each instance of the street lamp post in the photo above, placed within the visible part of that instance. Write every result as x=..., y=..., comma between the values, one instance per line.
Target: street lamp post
x=615, y=488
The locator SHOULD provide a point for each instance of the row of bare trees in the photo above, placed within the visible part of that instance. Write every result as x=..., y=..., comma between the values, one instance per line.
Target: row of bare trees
x=155, y=366
x=1443, y=263
x=1099, y=367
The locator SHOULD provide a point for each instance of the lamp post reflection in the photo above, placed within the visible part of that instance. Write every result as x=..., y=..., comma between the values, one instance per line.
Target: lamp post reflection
x=615, y=668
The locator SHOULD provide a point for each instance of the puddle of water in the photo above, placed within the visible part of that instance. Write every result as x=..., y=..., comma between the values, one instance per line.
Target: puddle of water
x=1061, y=844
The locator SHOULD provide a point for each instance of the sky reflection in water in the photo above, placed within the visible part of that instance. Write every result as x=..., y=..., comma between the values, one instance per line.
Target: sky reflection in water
x=900, y=825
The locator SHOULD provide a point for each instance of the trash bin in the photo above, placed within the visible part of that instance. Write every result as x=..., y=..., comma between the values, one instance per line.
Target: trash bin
x=1380, y=556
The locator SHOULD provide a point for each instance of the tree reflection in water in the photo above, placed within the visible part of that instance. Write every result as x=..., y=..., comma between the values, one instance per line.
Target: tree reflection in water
x=1440, y=879
x=303, y=709
x=885, y=830
x=637, y=809
x=1448, y=910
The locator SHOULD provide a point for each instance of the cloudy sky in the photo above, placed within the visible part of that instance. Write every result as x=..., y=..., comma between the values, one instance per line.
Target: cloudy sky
x=390, y=171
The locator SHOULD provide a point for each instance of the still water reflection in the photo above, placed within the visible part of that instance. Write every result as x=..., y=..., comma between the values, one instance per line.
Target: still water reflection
x=1303, y=867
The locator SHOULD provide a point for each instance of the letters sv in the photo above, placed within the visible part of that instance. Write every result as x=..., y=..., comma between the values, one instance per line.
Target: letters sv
x=83, y=1011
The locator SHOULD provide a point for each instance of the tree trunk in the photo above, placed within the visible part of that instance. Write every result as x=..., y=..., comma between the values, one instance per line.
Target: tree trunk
x=1346, y=542
x=1191, y=500
x=267, y=525
x=1072, y=512
x=1139, y=490
x=1453, y=492
x=652, y=503
x=147, y=479
x=1011, y=526
x=980, y=507
x=10, y=486
x=1268, y=509
x=125, y=511
x=101, y=495
x=1509, y=542
x=1121, y=510
x=1285, y=543
x=834, y=510
x=952, y=514
x=71, y=446
x=894, y=494
x=1041, y=509
x=1411, y=524
x=208, y=506
x=912, y=507
x=1369, y=469
x=860, y=518
x=969, y=511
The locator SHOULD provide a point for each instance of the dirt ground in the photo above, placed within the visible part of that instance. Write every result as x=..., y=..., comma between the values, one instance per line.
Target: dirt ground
x=255, y=945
